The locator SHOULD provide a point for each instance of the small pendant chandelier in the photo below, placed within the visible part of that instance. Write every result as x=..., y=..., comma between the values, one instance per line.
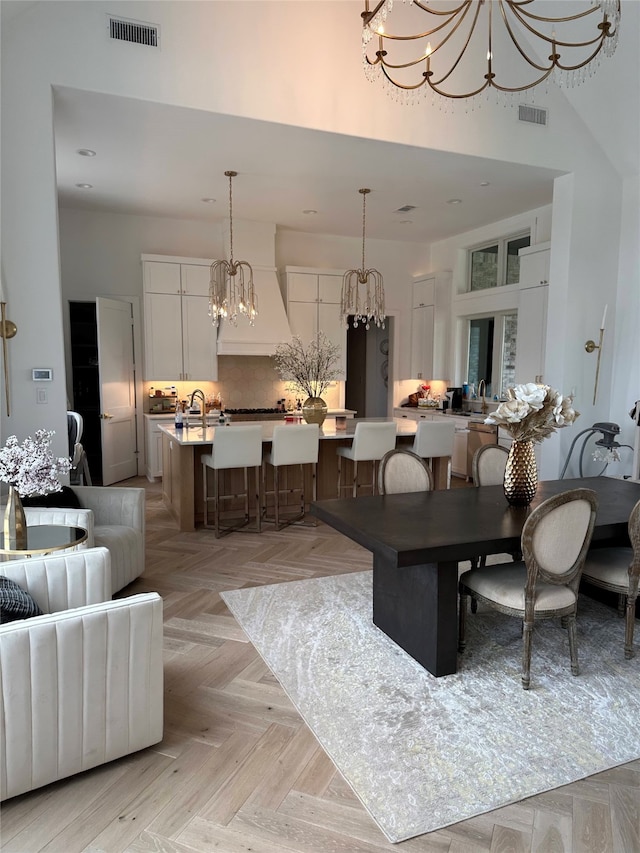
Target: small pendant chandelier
x=363, y=289
x=231, y=289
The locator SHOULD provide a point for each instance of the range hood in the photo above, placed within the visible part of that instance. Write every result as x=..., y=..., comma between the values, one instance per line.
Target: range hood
x=271, y=326
x=256, y=242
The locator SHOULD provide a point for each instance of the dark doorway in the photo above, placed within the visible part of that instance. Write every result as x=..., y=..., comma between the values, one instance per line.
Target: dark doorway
x=86, y=381
x=367, y=385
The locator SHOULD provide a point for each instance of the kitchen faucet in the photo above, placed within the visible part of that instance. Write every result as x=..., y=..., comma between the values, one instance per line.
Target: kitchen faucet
x=203, y=409
x=484, y=408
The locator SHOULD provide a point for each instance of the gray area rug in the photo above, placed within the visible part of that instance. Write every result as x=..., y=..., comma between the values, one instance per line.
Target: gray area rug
x=422, y=752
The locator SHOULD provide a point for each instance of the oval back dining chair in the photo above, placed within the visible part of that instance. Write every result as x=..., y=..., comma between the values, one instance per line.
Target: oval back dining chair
x=618, y=570
x=488, y=465
x=555, y=540
x=401, y=470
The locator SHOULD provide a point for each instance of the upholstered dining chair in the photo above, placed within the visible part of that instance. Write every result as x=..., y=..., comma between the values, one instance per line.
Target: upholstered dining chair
x=401, y=470
x=488, y=465
x=555, y=540
x=370, y=443
x=618, y=570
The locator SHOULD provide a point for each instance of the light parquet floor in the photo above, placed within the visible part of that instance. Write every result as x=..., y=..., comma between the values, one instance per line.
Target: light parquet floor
x=238, y=770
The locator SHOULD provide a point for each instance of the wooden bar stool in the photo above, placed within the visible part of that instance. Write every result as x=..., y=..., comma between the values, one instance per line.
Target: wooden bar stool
x=292, y=444
x=233, y=447
x=434, y=441
x=370, y=443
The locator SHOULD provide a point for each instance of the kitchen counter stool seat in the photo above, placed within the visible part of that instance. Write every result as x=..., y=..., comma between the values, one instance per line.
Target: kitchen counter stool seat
x=239, y=447
x=292, y=444
x=370, y=443
x=434, y=439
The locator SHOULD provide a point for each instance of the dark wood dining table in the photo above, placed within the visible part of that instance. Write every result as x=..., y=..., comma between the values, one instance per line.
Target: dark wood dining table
x=418, y=539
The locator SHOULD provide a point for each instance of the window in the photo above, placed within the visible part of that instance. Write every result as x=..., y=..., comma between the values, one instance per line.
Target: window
x=492, y=352
x=496, y=264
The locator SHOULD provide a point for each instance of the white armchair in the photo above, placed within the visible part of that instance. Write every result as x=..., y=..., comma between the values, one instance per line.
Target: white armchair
x=83, y=684
x=114, y=518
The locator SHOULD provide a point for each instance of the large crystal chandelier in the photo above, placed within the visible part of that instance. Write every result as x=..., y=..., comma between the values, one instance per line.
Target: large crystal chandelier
x=363, y=289
x=231, y=282
x=460, y=48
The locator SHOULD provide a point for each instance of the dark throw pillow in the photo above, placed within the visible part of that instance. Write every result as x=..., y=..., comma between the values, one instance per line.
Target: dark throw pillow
x=15, y=603
x=65, y=498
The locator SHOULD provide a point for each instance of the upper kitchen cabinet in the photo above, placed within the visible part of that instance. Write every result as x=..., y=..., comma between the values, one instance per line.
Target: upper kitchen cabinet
x=179, y=338
x=430, y=305
x=312, y=298
x=532, y=313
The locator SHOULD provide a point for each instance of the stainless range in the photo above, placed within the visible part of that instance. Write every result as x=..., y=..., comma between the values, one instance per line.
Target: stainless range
x=254, y=415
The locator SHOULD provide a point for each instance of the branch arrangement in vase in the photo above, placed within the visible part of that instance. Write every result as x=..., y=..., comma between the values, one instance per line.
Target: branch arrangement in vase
x=308, y=369
x=533, y=412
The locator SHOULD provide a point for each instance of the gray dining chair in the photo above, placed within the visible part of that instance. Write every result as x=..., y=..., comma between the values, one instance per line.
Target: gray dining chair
x=401, y=470
x=618, y=570
x=555, y=540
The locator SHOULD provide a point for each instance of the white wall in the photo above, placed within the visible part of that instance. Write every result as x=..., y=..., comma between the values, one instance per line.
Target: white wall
x=64, y=43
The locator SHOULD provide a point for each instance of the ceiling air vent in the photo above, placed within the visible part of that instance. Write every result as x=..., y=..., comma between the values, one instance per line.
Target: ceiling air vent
x=406, y=208
x=533, y=115
x=136, y=32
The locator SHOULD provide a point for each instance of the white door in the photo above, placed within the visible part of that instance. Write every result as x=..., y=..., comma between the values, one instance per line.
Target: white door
x=117, y=390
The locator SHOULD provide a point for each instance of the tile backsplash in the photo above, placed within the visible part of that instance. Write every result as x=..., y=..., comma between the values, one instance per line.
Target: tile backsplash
x=244, y=382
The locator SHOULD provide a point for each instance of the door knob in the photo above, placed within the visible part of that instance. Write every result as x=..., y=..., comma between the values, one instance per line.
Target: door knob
x=106, y=416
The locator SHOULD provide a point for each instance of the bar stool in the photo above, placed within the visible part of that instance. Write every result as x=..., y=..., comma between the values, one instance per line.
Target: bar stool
x=434, y=440
x=370, y=443
x=292, y=444
x=233, y=447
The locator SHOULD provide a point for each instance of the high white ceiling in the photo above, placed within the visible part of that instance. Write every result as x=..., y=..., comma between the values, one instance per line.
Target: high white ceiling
x=159, y=160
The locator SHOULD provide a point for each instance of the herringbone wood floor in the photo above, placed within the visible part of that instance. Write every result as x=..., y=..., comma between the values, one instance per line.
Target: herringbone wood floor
x=238, y=770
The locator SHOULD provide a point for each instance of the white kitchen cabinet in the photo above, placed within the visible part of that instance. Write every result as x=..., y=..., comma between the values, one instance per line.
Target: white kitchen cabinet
x=414, y=414
x=430, y=318
x=532, y=334
x=153, y=449
x=180, y=340
x=312, y=298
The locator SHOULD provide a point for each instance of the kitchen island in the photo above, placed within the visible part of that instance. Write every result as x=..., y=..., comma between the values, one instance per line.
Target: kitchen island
x=182, y=451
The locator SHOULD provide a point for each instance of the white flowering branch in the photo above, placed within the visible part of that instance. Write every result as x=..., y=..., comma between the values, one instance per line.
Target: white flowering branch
x=308, y=369
x=30, y=467
x=533, y=412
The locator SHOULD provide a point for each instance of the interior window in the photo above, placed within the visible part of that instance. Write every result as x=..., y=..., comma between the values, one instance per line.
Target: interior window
x=492, y=352
x=496, y=264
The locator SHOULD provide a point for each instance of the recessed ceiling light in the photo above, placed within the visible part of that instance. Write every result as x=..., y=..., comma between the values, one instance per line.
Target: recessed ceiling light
x=454, y=201
x=208, y=200
x=485, y=183
x=310, y=212
x=406, y=222
x=85, y=186
x=86, y=152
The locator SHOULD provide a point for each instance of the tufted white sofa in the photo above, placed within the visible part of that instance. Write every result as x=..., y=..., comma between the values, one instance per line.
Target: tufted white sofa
x=114, y=518
x=82, y=684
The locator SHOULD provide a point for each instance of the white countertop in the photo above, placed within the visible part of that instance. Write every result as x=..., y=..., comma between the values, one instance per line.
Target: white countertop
x=193, y=435
x=169, y=416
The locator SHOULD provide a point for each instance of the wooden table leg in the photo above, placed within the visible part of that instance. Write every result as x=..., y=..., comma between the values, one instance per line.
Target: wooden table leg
x=416, y=607
x=440, y=469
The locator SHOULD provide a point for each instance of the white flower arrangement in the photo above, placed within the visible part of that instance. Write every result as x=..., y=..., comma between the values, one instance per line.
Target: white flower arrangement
x=30, y=467
x=533, y=412
x=308, y=369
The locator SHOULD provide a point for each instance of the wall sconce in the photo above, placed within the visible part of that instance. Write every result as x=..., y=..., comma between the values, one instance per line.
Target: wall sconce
x=590, y=346
x=8, y=330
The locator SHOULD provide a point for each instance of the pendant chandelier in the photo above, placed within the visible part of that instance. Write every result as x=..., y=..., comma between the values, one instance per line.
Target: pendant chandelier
x=460, y=49
x=231, y=283
x=363, y=289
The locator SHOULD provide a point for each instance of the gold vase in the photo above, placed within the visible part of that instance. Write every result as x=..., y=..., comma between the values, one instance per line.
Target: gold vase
x=521, y=474
x=314, y=410
x=15, y=523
